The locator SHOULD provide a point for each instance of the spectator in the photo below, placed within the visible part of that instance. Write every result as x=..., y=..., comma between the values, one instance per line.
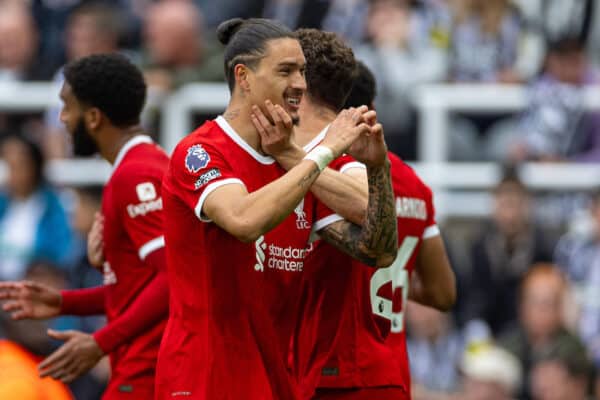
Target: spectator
x=578, y=254
x=33, y=222
x=541, y=321
x=401, y=53
x=435, y=348
x=555, y=126
x=490, y=373
x=560, y=375
x=92, y=28
x=177, y=49
x=484, y=41
x=501, y=256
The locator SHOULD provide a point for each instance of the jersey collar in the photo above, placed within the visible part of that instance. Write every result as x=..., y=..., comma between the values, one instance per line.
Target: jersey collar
x=316, y=140
x=131, y=143
x=229, y=131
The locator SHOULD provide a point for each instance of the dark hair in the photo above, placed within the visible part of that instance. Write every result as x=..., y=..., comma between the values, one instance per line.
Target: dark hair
x=330, y=67
x=34, y=152
x=245, y=42
x=111, y=83
x=364, y=89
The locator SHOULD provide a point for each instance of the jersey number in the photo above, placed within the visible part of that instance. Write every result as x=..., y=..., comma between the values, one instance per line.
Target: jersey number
x=398, y=276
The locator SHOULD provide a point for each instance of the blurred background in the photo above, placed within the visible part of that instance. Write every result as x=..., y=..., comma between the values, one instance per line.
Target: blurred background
x=496, y=103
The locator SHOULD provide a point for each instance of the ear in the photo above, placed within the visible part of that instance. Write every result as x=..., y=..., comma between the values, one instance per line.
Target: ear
x=241, y=73
x=93, y=118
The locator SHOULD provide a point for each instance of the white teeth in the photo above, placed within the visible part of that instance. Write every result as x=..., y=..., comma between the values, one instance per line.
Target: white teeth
x=293, y=101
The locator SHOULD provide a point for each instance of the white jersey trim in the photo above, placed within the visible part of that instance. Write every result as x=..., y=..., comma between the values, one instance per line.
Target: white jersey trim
x=431, y=231
x=352, y=165
x=324, y=222
x=316, y=140
x=208, y=190
x=151, y=246
x=131, y=143
x=228, y=129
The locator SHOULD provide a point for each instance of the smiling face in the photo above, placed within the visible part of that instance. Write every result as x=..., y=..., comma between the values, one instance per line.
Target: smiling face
x=278, y=77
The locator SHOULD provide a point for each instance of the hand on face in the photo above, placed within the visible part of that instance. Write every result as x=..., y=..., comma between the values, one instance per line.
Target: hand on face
x=275, y=129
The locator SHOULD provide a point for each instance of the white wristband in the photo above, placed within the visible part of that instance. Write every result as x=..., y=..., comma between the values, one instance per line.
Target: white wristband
x=321, y=155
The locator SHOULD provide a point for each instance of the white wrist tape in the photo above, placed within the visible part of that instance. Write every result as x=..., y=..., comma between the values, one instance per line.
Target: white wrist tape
x=322, y=155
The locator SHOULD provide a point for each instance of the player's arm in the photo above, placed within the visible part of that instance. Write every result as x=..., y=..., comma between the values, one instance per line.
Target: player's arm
x=433, y=283
x=249, y=215
x=341, y=193
x=375, y=243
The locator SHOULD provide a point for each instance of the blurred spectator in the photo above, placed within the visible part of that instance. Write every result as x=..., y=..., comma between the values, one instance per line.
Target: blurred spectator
x=578, y=254
x=507, y=246
x=541, y=321
x=490, y=373
x=19, y=45
x=484, y=43
x=560, y=374
x=33, y=222
x=177, y=49
x=435, y=348
x=555, y=126
x=402, y=54
x=92, y=28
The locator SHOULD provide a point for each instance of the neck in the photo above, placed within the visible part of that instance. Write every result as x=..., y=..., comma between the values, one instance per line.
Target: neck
x=238, y=116
x=313, y=119
x=115, y=140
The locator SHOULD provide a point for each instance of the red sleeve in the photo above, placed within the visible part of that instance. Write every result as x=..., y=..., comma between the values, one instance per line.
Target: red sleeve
x=196, y=171
x=344, y=163
x=83, y=301
x=148, y=308
x=431, y=228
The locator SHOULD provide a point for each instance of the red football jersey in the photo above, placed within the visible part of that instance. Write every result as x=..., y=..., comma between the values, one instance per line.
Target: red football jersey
x=233, y=304
x=133, y=228
x=359, y=308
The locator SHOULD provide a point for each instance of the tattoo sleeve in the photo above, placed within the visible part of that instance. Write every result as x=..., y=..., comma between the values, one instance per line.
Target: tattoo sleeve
x=376, y=242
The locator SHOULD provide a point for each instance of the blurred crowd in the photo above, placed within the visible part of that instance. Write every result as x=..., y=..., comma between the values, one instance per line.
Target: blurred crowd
x=527, y=325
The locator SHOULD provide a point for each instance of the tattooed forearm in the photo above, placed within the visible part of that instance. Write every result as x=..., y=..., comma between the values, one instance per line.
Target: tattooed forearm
x=377, y=240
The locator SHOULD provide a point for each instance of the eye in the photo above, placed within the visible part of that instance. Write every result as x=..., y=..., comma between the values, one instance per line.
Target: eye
x=284, y=72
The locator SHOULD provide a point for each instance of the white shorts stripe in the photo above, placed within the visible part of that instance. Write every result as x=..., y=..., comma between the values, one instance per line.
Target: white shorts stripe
x=150, y=246
x=208, y=190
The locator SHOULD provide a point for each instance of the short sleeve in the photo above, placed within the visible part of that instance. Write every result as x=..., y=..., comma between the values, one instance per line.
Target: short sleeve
x=431, y=228
x=139, y=202
x=345, y=163
x=196, y=170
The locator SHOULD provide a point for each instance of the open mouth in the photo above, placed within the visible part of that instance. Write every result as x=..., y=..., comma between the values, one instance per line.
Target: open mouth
x=293, y=102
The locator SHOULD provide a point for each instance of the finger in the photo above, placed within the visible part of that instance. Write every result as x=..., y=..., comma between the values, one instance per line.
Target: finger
x=12, y=305
x=274, y=114
x=258, y=126
x=362, y=109
x=55, y=360
x=6, y=294
x=370, y=117
x=377, y=129
x=261, y=118
x=61, y=335
x=285, y=117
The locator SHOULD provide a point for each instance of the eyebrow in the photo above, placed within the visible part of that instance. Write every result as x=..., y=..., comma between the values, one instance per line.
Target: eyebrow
x=293, y=64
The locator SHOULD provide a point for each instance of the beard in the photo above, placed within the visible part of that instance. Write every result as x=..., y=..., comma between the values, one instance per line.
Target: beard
x=296, y=120
x=83, y=144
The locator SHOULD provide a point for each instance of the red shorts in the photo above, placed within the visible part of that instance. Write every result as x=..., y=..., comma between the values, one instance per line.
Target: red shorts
x=379, y=393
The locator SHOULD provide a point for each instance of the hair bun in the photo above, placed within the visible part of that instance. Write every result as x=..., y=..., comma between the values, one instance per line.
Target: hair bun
x=227, y=29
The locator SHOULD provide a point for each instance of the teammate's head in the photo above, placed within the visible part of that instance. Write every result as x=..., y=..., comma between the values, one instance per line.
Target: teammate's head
x=364, y=89
x=330, y=67
x=100, y=91
x=263, y=60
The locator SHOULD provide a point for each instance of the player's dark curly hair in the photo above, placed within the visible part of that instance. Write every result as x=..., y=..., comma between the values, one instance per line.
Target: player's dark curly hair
x=330, y=67
x=245, y=41
x=111, y=83
x=364, y=89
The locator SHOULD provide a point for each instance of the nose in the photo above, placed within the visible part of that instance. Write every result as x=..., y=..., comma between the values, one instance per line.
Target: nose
x=62, y=116
x=299, y=82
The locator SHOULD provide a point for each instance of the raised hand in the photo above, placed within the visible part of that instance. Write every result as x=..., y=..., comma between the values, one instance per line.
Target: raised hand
x=76, y=356
x=95, y=242
x=30, y=300
x=370, y=148
x=275, y=136
x=345, y=129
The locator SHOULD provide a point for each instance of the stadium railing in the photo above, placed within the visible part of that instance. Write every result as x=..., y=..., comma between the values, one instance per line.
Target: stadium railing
x=462, y=189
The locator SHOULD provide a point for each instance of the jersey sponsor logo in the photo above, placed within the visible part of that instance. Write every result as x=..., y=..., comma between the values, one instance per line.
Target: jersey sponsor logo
x=144, y=208
x=110, y=278
x=196, y=158
x=206, y=177
x=409, y=207
x=145, y=191
x=290, y=259
x=301, y=222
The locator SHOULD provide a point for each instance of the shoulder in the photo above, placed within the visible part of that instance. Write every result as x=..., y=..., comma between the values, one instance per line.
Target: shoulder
x=404, y=175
